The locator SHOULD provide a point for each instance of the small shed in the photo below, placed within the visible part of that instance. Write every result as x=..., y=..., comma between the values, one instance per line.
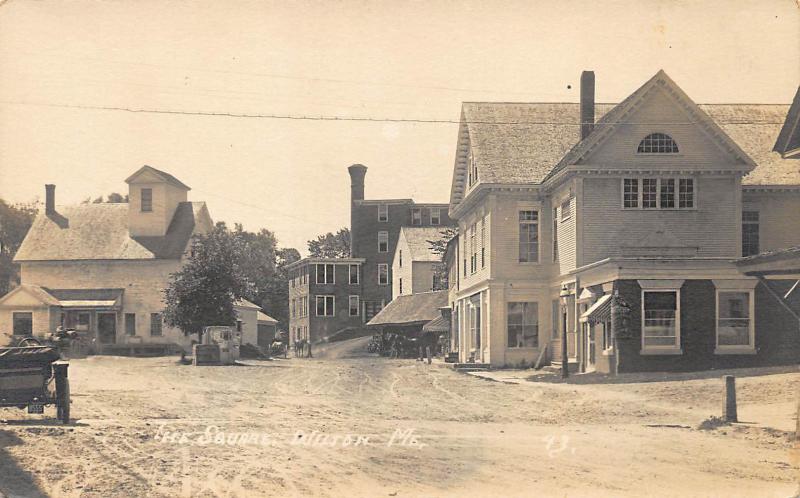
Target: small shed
x=408, y=314
x=267, y=329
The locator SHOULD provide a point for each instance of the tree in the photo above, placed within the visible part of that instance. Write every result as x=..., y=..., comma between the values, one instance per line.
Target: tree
x=276, y=300
x=331, y=245
x=112, y=198
x=204, y=290
x=15, y=221
x=439, y=247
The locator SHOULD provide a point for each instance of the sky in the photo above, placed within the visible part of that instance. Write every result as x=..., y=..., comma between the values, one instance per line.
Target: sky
x=62, y=60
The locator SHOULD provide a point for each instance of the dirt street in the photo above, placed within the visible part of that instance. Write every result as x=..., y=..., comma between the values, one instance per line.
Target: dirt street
x=375, y=427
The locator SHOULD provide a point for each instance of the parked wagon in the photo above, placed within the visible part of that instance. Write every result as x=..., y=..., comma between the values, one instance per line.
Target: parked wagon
x=33, y=377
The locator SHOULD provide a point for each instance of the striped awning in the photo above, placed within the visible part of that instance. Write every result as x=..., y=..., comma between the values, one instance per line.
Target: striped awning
x=600, y=311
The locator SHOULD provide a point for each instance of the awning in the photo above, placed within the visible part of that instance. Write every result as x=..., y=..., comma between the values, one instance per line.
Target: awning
x=599, y=311
x=439, y=324
x=88, y=298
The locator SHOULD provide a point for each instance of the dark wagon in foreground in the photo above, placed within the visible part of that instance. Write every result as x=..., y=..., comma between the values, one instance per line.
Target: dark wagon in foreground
x=32, y=377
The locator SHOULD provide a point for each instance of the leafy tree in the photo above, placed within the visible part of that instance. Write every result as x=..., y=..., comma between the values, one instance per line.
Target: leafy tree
x=331, y=245
x=276, y=300
x=204, y=290
x=439, y=246
x=15, y=221
x=112, y=198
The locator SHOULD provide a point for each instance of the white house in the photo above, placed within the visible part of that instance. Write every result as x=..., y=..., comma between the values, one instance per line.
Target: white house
x=101, y=268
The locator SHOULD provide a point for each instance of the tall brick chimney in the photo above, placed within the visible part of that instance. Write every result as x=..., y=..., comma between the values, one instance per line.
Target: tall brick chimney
x=587, y=103
x=357, y=174
x=50, y=199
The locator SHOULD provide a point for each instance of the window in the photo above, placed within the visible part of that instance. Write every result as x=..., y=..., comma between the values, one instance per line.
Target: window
x=436, y=216
x=464, y=252
x=566, y=210
x=294, y=308
x=155, y=324
x=400, y=258
x=83, y=322
x=325, y=273
x=130, y=323
x=147, y=200
x=239, y=325
x=667, y=193
x=383, y=241
x=650, y=193
x=660, y=320
x=354, y=306
x=416, y=216
x=734, y=321
x=473, y=258
x=523, y=325
x=23, y=323
x=473, y=171
x=685, y=193
x=483, y=242
x=630, y=193
x=325, y=305
x=383, y=212
x=401, y=284
x=657, y=143
x=555, y=235
x=663, y=193
x=383, y=274
x=528, y=236
x=749, y=233
x=353, y=277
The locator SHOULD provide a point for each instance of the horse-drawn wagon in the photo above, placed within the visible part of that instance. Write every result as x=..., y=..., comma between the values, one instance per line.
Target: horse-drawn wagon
x=32, y=377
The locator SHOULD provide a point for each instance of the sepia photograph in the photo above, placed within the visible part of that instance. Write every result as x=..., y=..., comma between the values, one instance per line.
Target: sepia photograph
x=399, y=248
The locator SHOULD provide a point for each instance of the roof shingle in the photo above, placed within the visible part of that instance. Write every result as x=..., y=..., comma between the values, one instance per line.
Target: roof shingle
x=412, y=309
x=418, y=245
x=100, y=231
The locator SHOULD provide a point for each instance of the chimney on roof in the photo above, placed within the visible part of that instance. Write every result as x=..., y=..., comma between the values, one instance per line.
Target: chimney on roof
x=357, y=174
x=50, y=199
x=587, y=103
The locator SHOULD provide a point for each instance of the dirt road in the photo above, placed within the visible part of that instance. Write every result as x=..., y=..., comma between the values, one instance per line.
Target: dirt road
x=151, y=427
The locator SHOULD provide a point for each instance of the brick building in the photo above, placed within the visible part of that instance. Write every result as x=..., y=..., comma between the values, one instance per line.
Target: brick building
x=324, y=297
x=375, y=229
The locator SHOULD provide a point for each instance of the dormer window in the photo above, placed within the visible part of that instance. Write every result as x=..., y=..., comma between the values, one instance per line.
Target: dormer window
x=657, y=143
x=147, y=200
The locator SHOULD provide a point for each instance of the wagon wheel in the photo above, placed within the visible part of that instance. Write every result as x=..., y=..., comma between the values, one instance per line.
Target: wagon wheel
x=29, y=341
x=63, y=402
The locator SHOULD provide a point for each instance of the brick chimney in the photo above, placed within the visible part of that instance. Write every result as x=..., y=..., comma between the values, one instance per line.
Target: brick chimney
x=50, y=199
x=357, y=174
x=587, y=103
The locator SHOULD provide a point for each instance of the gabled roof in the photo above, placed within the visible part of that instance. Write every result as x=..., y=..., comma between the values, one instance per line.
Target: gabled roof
x=244, y=303
x=417, y=239
x=411, y=309
x=35, y=291
x=524, y=143
x=163, y=175
x=100, y=231
x=788, y=142
x=263, y=317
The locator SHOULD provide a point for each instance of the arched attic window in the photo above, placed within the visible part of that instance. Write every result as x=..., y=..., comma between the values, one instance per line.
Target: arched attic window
x=657, y=143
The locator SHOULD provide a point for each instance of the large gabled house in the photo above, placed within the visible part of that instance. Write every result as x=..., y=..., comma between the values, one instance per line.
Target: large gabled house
x=614, y=242
x=101, y=268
